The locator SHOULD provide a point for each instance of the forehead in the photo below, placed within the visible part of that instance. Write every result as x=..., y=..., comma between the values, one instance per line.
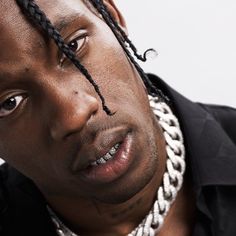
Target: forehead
x=11, y=13
x=18, y=33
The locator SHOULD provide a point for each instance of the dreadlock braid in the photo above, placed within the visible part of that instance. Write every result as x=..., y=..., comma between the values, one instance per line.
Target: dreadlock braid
x=122, y=37
x=39, y=17
x=123, y=34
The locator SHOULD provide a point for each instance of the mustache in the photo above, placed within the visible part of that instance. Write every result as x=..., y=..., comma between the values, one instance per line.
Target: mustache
x=94, y=127
x=94, y=136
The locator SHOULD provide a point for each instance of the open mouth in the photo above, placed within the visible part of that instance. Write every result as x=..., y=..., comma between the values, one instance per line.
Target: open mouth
x=112, y=165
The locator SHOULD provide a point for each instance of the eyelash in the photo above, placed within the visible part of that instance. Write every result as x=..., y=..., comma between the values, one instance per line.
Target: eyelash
x=84, y=38
x=18, y=99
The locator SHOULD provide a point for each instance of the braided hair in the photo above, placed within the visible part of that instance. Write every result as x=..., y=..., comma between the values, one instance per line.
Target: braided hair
x=32, y=10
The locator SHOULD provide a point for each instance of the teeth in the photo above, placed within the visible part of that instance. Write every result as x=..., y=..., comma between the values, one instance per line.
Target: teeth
x=112, y=151
x=93, y=163
x=107, y=157
x=101, y=161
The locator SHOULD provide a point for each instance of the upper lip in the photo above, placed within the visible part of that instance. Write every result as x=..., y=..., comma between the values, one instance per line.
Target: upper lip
x=102, y=144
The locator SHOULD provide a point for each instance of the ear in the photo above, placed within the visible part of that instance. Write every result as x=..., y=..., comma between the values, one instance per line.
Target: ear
x=116, y=14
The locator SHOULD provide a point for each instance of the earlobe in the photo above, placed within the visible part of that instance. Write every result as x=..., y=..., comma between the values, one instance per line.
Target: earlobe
x=116, y=14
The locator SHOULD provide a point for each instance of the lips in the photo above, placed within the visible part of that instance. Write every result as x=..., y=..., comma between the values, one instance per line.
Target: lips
x=113, y=168
x=107, y=158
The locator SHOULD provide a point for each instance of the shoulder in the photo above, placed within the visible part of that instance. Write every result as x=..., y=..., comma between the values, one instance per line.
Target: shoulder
x=3, y=192
x=220, y=112
x=225, y=116
x=22, y=207
x=221, y=209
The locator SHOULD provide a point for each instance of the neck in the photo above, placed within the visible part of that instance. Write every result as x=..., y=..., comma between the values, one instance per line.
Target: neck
x=90, y=217
x=123, y=218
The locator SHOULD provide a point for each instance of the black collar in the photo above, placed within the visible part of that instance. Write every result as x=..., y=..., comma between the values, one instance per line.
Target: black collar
x=211, y=154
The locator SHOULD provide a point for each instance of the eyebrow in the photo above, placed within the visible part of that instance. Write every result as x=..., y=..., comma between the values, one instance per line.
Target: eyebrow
x=64, y=21
x=7, y=76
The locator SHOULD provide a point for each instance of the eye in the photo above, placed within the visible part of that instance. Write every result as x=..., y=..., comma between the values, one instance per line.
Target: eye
x=76, y=45
x=10, y=105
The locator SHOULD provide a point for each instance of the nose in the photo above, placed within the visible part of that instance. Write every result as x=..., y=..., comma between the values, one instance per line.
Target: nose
x=71, y=114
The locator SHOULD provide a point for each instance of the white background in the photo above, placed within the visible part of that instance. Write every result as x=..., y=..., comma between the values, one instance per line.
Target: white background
x=196, y=42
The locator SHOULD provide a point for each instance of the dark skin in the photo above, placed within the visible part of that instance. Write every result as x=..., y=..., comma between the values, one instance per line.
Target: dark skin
x=58, y=121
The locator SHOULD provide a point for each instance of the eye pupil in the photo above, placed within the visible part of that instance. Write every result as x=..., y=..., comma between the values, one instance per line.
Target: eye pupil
x=73, y=45
x=9, y=104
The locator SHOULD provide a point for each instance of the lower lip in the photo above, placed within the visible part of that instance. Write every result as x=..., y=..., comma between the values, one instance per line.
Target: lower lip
x=113, y=168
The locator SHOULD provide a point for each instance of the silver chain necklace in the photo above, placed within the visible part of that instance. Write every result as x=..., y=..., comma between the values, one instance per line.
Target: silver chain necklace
x=172, y=178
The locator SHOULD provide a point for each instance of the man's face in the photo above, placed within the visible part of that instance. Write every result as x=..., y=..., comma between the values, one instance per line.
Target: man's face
x=52, y=125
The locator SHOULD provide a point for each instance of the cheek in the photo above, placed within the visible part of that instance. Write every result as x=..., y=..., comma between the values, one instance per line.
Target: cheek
x=113, y=71
x=21, y=145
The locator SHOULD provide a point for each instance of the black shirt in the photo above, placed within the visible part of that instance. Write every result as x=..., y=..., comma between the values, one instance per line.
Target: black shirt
x=210, y=140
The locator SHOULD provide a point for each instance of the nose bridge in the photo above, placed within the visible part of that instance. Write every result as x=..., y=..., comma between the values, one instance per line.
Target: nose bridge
x=70, y=108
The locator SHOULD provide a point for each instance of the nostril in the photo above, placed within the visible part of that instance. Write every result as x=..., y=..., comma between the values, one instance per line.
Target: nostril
x=94, y=105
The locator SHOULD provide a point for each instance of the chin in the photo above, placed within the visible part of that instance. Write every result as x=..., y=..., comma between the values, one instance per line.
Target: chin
x=137, y=179
x=129, y=187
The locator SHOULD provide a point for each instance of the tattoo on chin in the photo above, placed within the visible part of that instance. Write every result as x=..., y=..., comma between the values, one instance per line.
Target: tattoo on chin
x=127, y=210
x=97, y=207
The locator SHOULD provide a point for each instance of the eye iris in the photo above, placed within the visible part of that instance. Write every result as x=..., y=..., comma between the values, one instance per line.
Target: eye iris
x=73, y=45
x=9, y=104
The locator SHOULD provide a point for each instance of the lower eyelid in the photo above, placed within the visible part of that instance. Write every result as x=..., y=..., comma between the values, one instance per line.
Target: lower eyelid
x=79, y=54
x=19, y=106
x=82, y=49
